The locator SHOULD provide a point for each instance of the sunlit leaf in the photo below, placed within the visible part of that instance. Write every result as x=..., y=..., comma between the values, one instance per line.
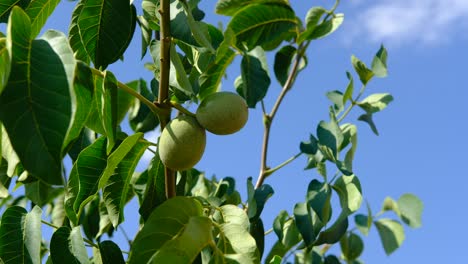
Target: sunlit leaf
x=84, y=177
x=379, y=63
x=39, y=11
x=410, y=208
x=20, y=235
x=35, y=106
x=5, y=65
x=117, y=187
x=375, y=102
x=365, y=74
x=210, y=80
x=165, y=223
x=67, y=246
x=349, y=191
x=105, y=29
x=391, y=234
x=262, y=25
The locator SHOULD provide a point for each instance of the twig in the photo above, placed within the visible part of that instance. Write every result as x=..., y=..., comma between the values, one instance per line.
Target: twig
x=268, y=118
x=132, y=92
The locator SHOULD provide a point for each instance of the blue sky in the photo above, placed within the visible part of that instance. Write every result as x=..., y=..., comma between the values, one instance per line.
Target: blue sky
x=422, y=133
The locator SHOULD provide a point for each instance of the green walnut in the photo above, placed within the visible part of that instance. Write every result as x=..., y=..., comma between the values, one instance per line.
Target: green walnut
x=223, y=113
x=182, y=143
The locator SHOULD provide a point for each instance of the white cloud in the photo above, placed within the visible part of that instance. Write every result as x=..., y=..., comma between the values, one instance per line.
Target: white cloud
x=410, y=21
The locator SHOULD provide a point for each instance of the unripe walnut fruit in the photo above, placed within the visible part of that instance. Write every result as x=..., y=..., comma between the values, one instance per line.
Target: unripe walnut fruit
x=182, y=143
x=223, y=113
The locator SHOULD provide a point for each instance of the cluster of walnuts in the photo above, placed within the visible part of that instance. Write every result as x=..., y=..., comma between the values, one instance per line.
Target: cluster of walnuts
x=183, y=140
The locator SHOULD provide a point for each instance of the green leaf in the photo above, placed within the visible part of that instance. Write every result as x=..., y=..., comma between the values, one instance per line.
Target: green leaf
x=67, y=246
x=257, y=230
x=36, y=104
x=20, y=235
x=181, y=77
x=410, y=208
x=8, y=153
x=379, y=63
x=312, y=19
x=7, y=6
x=275, y=260
x=140, y=116
x=255, y=77
x=318, y=198
x=304, y=223
x=165, y=223
x=58, y=215
x=90, y=218
x=105, y=29
x=210, y=80
x=146, y=33
x=327, y=27
x=4, y=179
x=262, y=24
x=5, y=64
x=240, y=240
x=155, y=193
x=332, y=259
x=117, y=187
x=86, y=138
x=330, y=137
x=84, y=177
x=348, y=95
x=334, y=233
x=352, y=246
x=311, y=148
x=39, y=11
x=368, y=119
x=365, y=74
x=81, y=103
x=252, y=208
x=74, y=35
x=391, y=234
x=364, y=222
x=110, y=253
x=106, y=102
x=348, y=189
x=283, y=59
x=286, y=230
x=40, y=193
x=336, y=97
x=262, y=194
x=375, y=102
x=349, y=136
x=199, y=30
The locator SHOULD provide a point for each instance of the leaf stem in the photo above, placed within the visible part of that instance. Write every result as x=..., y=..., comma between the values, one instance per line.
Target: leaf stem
x=353, y=103
x=268, y=118
x=49, y=224
x=132, y=92
x=286, y=162
x=181, y=109
x=163, y=94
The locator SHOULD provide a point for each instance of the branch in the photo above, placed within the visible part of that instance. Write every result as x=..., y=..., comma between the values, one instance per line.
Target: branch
x=268, y=118
x=132, y=92
x=165, y=116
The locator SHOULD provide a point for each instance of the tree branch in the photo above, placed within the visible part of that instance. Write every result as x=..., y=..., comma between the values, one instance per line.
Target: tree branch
x=268, y=118
x=165, y=116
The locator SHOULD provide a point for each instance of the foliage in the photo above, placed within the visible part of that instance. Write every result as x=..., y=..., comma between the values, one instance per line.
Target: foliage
x=58, y=99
